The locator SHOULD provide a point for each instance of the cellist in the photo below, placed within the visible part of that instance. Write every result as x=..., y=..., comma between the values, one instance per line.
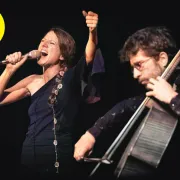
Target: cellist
x=149, y=51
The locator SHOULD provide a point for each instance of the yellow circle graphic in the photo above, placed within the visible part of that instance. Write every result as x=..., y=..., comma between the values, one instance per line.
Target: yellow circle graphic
x=2, y=27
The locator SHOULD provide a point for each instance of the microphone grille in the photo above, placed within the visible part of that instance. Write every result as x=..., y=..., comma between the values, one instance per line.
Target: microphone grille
x=34, y=54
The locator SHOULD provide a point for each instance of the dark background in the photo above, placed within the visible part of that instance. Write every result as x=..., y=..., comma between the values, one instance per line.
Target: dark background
x=27, y=22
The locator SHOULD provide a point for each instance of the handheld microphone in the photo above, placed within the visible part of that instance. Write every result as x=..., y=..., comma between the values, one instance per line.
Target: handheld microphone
x=34, y=54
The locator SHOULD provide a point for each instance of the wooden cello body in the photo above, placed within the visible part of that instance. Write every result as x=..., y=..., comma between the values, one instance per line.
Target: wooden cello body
x=148, y=144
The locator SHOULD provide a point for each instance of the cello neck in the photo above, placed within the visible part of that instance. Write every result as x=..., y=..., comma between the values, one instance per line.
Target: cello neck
x=172, y=66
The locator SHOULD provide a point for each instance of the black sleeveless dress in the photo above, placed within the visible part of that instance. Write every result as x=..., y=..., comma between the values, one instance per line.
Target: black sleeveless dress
x=38, y=150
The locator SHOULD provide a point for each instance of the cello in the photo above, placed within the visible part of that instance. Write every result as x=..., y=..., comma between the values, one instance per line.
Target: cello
x=150, y=140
